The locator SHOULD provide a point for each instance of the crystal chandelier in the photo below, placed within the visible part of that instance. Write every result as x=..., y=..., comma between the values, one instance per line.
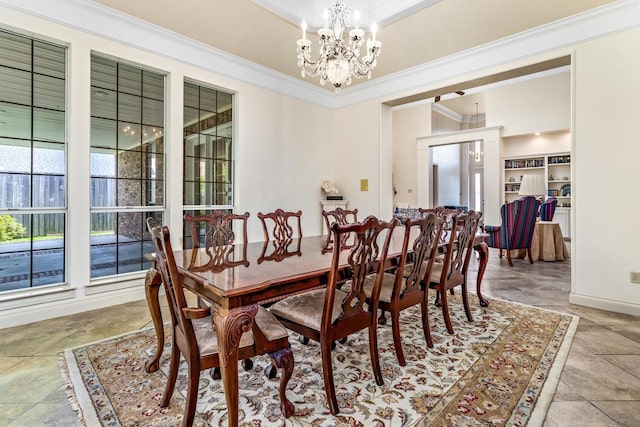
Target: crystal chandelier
x=339, y=58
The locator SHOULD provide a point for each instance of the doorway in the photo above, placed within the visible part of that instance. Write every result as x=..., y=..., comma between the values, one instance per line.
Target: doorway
x=457, y=175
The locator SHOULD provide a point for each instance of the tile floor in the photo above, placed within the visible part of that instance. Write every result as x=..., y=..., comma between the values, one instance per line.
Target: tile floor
x=599, y=386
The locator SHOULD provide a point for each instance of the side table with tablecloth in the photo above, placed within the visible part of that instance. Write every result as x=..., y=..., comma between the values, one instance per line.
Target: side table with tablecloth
x=547, y=243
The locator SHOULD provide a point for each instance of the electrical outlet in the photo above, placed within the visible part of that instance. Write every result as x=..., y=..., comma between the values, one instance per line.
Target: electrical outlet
x=635, y=277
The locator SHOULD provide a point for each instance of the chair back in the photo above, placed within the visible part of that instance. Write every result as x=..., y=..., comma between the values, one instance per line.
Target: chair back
x=366, y=261
x=447, y=214
x=215, y=232
x=548, y=208
x=459, y=247
x=425, y=249
x=284, y=225
x=518, y=221
x=172, y=282
x=216, y=228
x=339, y=216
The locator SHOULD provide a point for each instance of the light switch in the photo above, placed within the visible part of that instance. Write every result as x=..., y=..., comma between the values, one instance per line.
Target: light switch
x=364, y=185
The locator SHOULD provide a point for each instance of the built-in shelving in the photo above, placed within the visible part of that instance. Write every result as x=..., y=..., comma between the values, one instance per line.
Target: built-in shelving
x=556, y=170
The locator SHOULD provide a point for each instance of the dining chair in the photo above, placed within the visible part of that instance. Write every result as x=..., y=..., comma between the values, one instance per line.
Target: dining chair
x=215, y=232
x=195, y=339
x=452, y=271
x=406, y=287
x=330, y=314
x=281, y=225
x=340, y=216
x=516, y=230
x=215, y=229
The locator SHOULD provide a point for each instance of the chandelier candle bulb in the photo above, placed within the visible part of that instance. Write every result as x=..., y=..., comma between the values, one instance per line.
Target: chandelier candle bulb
x=356, y=18
x=374, y=30
x=304, y=30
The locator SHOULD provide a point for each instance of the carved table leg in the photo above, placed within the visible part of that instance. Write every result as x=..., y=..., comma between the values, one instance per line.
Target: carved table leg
x=483, y=252
x=152, y=282
x=284, y=359
x=229, y=328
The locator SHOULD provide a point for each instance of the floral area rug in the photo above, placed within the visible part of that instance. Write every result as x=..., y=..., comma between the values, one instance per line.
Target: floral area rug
x=501, y=369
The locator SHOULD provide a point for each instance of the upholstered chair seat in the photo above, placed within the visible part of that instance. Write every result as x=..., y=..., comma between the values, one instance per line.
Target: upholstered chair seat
x=306, y=308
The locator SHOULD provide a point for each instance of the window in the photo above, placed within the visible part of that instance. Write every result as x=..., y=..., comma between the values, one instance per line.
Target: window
x=208, y=151
x=32, y=162
x=127, y=164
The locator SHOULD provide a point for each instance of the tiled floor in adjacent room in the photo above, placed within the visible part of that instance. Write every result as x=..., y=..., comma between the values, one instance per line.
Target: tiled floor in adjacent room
x=599, y=386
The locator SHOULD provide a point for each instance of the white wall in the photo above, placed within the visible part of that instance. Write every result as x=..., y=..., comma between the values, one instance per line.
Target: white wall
x=357, y=154
x=606, y=173
x=408, y=124
x=530, y=145
x=533, y=105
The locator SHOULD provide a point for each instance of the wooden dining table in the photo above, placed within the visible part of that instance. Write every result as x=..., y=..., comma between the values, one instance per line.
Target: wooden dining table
x=256, y=273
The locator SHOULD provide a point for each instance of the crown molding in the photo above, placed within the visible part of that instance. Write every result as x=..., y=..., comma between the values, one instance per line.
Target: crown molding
x=379, y=11
x=447, y=112
x=92, y=18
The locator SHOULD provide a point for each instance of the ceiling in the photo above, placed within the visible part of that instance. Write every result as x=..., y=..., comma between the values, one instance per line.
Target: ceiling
x=412, y=32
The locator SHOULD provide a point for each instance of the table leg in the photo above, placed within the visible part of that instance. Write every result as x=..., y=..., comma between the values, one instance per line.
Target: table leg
x=152, y=282
x=229, y=327
x=483, y=252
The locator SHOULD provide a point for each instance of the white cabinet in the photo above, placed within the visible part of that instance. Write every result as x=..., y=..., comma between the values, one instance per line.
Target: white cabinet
x=562, y=216
x=329, y=205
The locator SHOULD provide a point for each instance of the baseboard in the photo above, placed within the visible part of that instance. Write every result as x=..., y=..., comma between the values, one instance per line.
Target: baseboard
x=605, y=304
x=30, y=314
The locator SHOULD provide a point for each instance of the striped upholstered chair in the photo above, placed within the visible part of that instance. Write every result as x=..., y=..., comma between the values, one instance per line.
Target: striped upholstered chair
x=548, y=208
x=516, y=231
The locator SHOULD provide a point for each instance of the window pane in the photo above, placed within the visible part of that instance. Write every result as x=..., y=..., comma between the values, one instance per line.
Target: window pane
x=103, y=192
x=15, y=51
x=103, y=133
x=48, y=125
x=208, y=99
x=129, y=163
x=191, y=96
x=129, y=79
x=129, y=192
x=48, y=191
x=191, y=120
x=129, y=136
x=15, y=86
x=48, y=157
x=152, y=85
x=152, y=136
x=48, y=92
x=103, y=103
x=49, y=59
x=224, y=102
x=103, y=163
x=153, y=112
x=129, y=108
x=16, y=190
x=17, y=121
x=15, y=155
x=104, y=73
